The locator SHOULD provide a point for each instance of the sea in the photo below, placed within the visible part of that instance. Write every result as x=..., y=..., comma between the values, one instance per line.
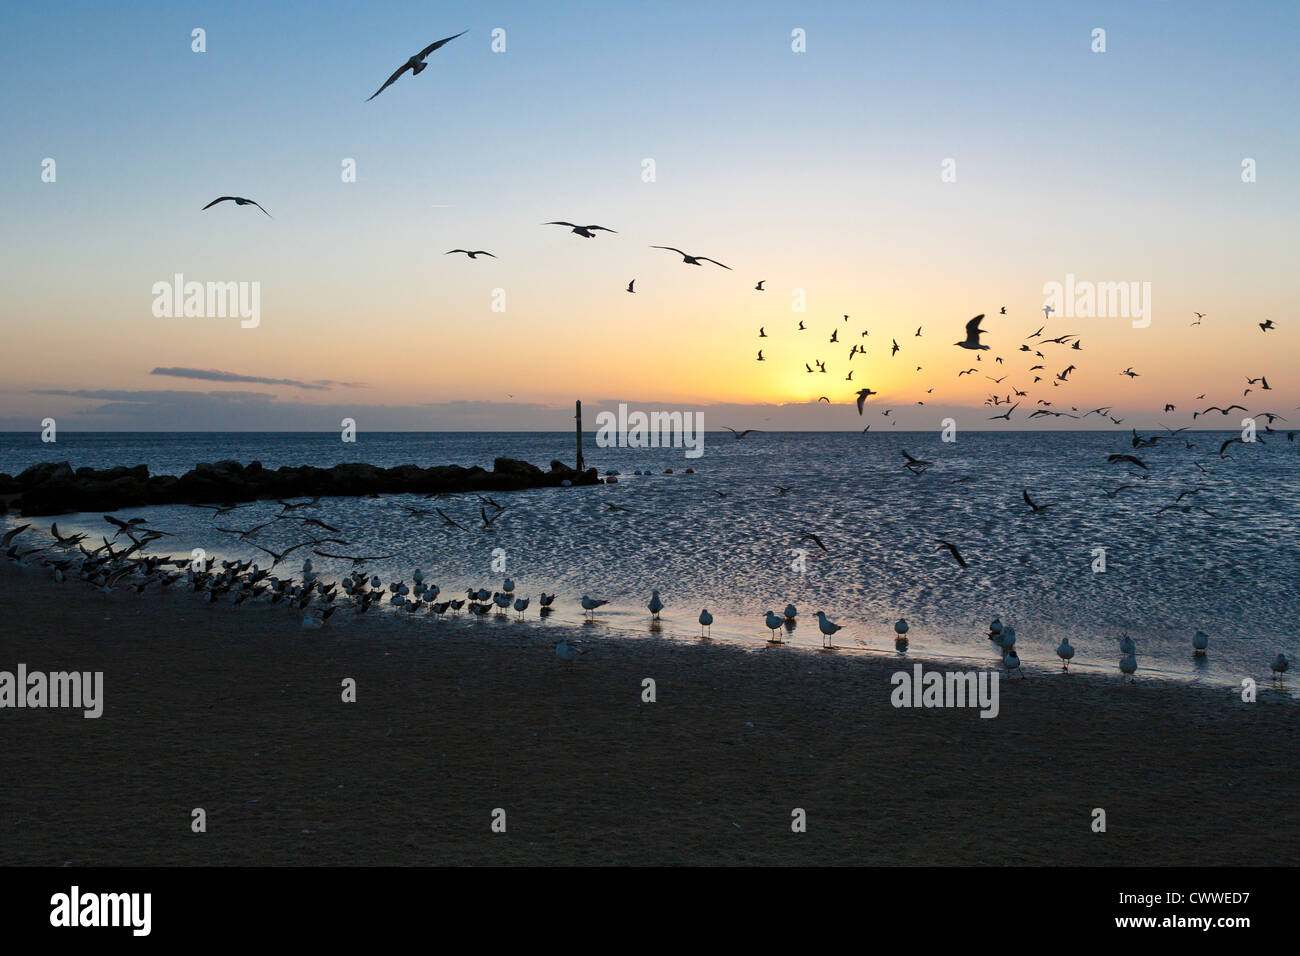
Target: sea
x=1090, y=566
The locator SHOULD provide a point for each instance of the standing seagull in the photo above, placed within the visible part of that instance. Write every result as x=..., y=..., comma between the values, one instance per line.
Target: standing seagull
x=774, y=624
x=828, y=629
x=973, y=333
x=415, y=64
x=1065, y=652
x=691, y=260
x=706, y=620
x=656, y=605
x=585, y=231
x=1200, y=642
x=1280, y=664
x=238, y=201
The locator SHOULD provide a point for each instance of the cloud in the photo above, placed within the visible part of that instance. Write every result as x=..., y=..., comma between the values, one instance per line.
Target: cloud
x=215, y=375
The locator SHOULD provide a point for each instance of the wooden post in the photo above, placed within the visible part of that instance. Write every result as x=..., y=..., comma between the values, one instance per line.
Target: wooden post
x=578, y=417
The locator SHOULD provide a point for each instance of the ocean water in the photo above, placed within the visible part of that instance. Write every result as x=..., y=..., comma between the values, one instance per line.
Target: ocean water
x=725, y=538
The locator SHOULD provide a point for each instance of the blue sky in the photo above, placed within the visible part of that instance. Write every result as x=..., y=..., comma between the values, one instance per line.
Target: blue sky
x=817, y=170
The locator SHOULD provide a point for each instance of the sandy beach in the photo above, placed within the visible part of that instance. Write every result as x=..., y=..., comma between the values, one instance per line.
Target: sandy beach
x=239, y=711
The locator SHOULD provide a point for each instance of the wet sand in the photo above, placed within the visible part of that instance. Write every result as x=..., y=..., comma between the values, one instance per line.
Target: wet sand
x=238, y=710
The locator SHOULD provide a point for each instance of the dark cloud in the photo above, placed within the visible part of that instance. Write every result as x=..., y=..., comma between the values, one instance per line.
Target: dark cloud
x=215, y=375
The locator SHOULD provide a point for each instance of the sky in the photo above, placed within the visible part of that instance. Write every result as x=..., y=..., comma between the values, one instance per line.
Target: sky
x=820, y=172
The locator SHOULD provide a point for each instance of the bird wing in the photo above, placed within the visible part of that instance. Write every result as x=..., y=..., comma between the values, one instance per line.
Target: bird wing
x=714, y=261
x=559, y=223
x=437, y=43
x=217, y=200
x=259, y=206
x=670, y=249
x=602, y=229
x=390, y=81
x=973, y=330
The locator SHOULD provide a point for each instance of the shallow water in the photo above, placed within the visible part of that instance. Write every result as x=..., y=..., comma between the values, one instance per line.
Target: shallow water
x=724, y=538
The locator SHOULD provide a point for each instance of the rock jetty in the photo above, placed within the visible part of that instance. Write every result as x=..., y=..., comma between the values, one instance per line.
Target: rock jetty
x=53, y=488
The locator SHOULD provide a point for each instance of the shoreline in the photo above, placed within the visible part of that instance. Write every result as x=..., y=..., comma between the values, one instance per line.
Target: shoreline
x=238, y=710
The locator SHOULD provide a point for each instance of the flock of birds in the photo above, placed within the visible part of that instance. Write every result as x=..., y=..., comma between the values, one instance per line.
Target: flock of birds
x=128, y=567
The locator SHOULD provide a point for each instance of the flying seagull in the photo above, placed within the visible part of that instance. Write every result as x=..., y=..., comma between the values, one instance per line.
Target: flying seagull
x=238, y=201
x=629, y=286
x=415, y=64
x=953, y=550
x=1029, y=501
x=474, y=254
x=863, y=395
x=691, y=260
x=973, y=333
x=585, y=231
x=759, y=287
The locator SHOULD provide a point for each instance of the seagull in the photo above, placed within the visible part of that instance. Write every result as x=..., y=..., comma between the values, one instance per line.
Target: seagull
x=1011, y=661
x=774, y=623
x=973, y=333
x=760, y=356
x=1029, y=501
x=587, y=232
x=809, y=536
x=238, y=201
x=566, y=651
x=828, y=628
x=739, y=435
x=1128, y=665
x=913, y=464
x=1264, y=327
x=415, y=64
x=863, y=395
x=1065, y=652
x=1129, y=372
x=694, y=260
x=1130, y=459
x=706, y=620
x=521, y=605
x=1200, y=643
x=629, y=286
x=1280, y=664
x=759, y=287
x=590, y=604
x=791, y=612
x=656, y=605
x=474, y=254
x=952, y=549
x=1126, y=645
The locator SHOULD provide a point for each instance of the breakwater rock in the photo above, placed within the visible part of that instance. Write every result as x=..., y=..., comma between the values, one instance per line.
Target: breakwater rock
x=53, y=488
